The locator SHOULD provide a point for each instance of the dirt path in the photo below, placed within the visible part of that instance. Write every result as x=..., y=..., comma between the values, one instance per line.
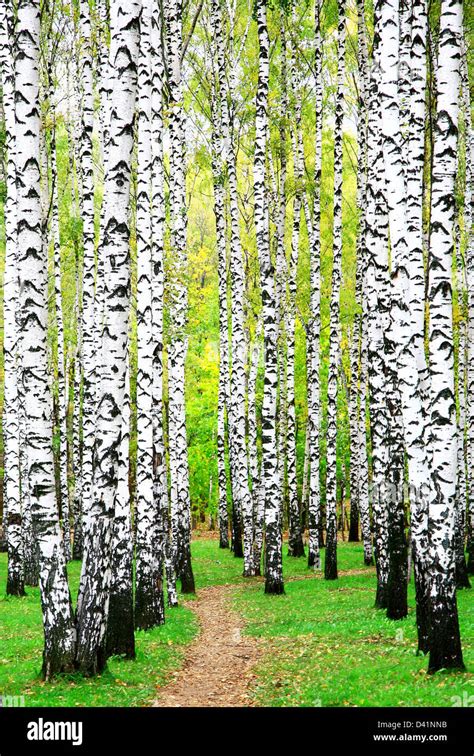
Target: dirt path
x=218, y=664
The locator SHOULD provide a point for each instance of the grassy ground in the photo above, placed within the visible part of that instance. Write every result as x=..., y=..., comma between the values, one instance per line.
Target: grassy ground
x=124, y=683
x=325, y=643
x=330, y=647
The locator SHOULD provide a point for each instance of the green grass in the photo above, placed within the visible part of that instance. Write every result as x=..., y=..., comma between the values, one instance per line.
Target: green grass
x=330, y=647
x=124, y=683
x=324, y=643
x=215, y=566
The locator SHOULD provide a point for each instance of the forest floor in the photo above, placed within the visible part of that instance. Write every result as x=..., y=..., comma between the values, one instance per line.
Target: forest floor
x=219, y=664
x=322, y=643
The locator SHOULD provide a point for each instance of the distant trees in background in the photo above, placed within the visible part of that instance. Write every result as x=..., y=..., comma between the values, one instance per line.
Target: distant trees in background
x=238, y=283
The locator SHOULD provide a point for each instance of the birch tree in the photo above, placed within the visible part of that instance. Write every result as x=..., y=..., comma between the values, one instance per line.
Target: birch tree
x=163, y=548
x=462, y=579
x=358, y=460
x=273, y=536
x=76, y=465
x=295, y=536
x=61, y=359
x=469, y=216
x=87, y=313
x=330, y=566
x=445, y=642
x=120, y=639
x=11, y=418
x=255, y=466
x=178, y=451
x=314, y=510
x=218, y=169
x=399, y=320
x=93, y=600
x=376, y=282
x=242, y=500
x=58, y=654
x=148, y=596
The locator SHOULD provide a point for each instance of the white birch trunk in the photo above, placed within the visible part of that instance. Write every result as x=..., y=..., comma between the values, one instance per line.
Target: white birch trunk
x=13, y=508
x=462, y=579
x=330, y=567
x=57, y=611
x=376, y=284
x=219, y=120
x=469, y=217
x=273, y=534
x=445, y=643
x=254, y=464
x=77, y=468
x=160, y=481
x=120, y=638
x=149, y=590
x=178, y=450
x=356, y=397
x=93, y=601
x=403, y=397
x=89, y=324
x=313, y=348
x=364, y=504
x=295, y=535
x=61, y=364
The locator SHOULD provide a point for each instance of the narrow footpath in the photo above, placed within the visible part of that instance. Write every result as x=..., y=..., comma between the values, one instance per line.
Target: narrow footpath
x=218, y=665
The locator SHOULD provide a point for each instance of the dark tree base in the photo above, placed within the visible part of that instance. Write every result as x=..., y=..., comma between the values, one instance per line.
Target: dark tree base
x=149, y=606
x=397, y=600
x=369, y=561
x=77, y=544
x=257, y=562
x=77, y=553
x=397, y=611
x=274, y=586
x=354, y=527
x=15, y=587
x=423, y=632
x=445, y=640
x=120, y=626
x=236, y=544
x=57, y=664
x=422, y=607
x=381, y=597
x=330, y=562
x=470, y=561
x=311, y=559
x=397, y=583
x=238, y=549
x=462, y=576
x=223, y=544
x=186, y=576
x=296, y=546
x=91, y=662
x=423, y=624
x=330, y=571
x=31, y=568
